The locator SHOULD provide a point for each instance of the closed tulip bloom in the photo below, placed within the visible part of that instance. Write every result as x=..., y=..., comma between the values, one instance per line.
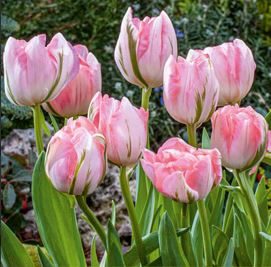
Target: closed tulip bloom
x=75, y=158
x=190, y=88
x=181, y=172
x=234, y=68
x=35, y=73
x=76, y=96
x=143, y=48
x=123, y=125
x=240, y=135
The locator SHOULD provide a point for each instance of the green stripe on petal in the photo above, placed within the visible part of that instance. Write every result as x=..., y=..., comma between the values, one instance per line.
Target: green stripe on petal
x=10, y=92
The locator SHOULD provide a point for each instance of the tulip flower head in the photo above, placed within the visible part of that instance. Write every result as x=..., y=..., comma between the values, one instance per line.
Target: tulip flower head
x=75, y=158
x=123, y=126
x=234, y=67
x=240, y=135
x=182, y=172
x=190, y=88
x=76, y=96
x=143, y=47
x=35, y=73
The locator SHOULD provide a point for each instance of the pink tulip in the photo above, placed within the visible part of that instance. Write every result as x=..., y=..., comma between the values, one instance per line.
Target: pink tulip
x=75, y=98
x=75, y=158
x=234, y=68
x=268, y=146
x=143, y=48
x=35, y=73
x=240, y=136
x=190, y=88
x=181, y=172
x=123, y=125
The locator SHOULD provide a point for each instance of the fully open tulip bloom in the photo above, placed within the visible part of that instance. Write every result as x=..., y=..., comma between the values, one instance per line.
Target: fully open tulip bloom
x=123, y=125
x=181, y=172
x=75, y=98
x=190, y=88
x=143, y=48
x=234, y=68
x=240, y=135
x=75, y=158
x=35, y=73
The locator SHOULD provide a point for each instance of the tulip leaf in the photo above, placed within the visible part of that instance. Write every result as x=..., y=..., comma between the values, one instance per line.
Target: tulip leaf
x=266, y=236
x=205, y=141
x=156, y=263
x=56, y=220
x=94, y=259
x=229, y=255
x=169, y=245
x=114, y=252
x=13, y=252
x=43, y=258
x=268, y=119
x=266, y=253
x=150, y=243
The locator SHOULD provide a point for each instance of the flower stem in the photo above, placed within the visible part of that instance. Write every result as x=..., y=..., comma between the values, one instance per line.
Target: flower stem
x=38, y=128
x=205, y=230
x=92, y=218
x=146, y=93
x=192, y=135
x=131, y=211
x=254, y=216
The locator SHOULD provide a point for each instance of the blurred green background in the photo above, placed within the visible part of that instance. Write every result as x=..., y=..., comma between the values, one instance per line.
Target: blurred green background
x=96, y=24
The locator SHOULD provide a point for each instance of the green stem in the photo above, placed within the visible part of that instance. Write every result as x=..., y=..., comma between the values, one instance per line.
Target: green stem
x=254, y=216
x=146, y=93
x=131, y=211
x=38, y=128
x=205, y=230
x=92, y=219
x=192, y=135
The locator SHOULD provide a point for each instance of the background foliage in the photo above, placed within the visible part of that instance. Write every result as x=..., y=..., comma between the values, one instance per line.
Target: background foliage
x=96, y=24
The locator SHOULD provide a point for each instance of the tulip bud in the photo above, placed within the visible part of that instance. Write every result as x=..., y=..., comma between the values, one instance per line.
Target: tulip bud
x=35, y=73
x=234, y=68
x=123, y=125
x=143, y=48
x=240, y=136
x=190, y=88
x=76, y=96
x=75, y=158
x=181, y=172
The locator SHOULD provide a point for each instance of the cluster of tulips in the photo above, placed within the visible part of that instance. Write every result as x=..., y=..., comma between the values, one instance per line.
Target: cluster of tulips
x=188, y=211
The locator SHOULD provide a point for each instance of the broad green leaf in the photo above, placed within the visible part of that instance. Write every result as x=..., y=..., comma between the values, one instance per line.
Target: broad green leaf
x=114, y=253
x=261, y=198
x=150, y=243
x=56, y=220
x=197, y=240
x=205, y=141
x=156, y=263
x=169, y=246
x=44, y=259
x=113, y=215
x=168, y=206
x=267, y=249
x=9, y=196
x=229, y=255
x=266, y=236
x=220, y=243
x=268, y=119
x=13, y=252
x=216, y=216
x=94, y=259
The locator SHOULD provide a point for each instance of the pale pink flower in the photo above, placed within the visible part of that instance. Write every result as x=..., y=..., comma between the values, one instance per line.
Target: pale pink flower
x=143, y=47
x=190, y=88
x=240, y=136
x=234, y=67
x=123, y=125
x=76, y=96
x=75, y=158
x=35, y=73
x=182, y=172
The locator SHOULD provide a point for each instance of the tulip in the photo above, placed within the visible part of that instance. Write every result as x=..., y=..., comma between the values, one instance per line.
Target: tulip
x=234, y=68
x=240, y=136
x=76, y=96
x=190, y=88
x=123, y=125
x=143, y=47
x=35, y=73
x=75, y=158
x=181, y=172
